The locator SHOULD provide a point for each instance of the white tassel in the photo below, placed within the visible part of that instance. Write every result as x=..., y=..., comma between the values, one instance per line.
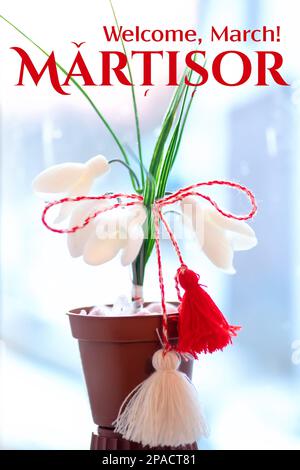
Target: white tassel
x=163, y=410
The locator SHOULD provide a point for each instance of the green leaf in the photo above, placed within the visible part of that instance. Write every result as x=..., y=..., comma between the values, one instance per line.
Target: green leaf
x=157, y=158
x=176, y=139
x=87, y=97
x=154, y=170
x=135, y=109
x=171, y=154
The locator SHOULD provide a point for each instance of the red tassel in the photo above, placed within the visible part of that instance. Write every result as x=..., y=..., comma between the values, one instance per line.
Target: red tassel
x=202, y=326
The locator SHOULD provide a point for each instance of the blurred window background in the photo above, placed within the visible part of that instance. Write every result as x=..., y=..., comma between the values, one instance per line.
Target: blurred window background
x=250, y=392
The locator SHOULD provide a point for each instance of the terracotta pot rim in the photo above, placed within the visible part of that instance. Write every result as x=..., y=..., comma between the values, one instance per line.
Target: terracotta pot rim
x=75, y=312
x=111, y=329
x=109, y=317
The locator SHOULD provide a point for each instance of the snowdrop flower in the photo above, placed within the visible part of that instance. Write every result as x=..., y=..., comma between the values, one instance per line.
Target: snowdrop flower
x=72, y=179
x=219, y=236
x=77, y=240
x=111, y=232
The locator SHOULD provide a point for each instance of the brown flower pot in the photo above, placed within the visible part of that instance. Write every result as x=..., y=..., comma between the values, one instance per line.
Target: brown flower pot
x=116, y=354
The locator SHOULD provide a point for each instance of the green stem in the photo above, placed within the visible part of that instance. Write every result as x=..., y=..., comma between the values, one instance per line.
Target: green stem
x=138, y=269
x=170, y=158
x=135, y=109
x=100, y=115
x=187, y=113
x=139, y=264
x=117, y=160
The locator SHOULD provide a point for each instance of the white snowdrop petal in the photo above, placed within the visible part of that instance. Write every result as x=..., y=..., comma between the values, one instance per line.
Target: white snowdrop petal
x=200, y=223
x=217, y=248
x=242, y=243
x=98, y=251
x=133, y=245
x=189, y=208
x=58, y=178
x=109, y=223
x=138, y=215
x=77, y=240
x=97, y=165
x=237, y=226
x=194, y=213
x=81, y=188
x=119, y=220
x=64, y=212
